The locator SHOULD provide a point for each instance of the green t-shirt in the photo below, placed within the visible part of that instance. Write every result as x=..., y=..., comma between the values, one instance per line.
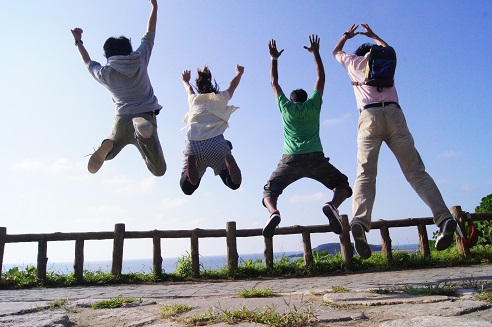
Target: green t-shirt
x=301, y=124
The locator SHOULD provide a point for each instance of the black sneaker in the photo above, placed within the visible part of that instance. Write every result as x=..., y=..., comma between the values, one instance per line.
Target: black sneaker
x=445, y=235
x=233, y=169
x=333, y=217
x=360, y=241
x=271, y=225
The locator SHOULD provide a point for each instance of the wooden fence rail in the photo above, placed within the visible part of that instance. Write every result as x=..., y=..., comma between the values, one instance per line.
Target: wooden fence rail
x=230, y=233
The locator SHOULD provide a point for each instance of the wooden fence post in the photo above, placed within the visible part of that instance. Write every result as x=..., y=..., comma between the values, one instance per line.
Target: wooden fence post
x=157, y=256
x=386, y=243
x=308, y=252
x=346, y=247
x=423, y=240
x=3, y=235
x=459, y=216
x=195, y=260
x=119, y=239
x=268, y=252
x=42, y=258
x=78, y=264
x=231, y=242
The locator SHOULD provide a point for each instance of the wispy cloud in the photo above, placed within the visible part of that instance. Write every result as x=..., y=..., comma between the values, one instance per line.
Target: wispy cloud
x=131, y=186
x=448, y=154
x=173, y=203
x=303, y=198
x=53, y=166
x=337, y=120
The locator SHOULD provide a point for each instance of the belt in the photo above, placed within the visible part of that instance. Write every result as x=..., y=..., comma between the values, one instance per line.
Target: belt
x=378, y=104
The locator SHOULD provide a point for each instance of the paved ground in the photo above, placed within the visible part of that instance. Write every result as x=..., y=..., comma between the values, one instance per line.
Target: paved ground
x=357, y=306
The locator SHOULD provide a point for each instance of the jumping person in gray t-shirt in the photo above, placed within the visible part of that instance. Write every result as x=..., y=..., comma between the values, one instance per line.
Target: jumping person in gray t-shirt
x=125, y=76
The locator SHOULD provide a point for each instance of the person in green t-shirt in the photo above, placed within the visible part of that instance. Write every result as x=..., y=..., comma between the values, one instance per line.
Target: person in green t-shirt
x=303, y=153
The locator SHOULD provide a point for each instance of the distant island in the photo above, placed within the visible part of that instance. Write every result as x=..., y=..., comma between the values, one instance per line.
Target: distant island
x=334, y=248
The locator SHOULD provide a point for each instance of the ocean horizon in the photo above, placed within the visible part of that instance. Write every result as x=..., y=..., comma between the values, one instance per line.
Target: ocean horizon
x=169, y=264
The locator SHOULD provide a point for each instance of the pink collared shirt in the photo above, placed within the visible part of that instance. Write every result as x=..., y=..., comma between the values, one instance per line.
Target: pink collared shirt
x=364, y=94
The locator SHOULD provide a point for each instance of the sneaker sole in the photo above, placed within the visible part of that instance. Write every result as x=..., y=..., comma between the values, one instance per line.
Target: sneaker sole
x=335, y=224
x=233, y=169
x=446, y=239
x=360, y=243
x=192, y=171
x=97, y=158
x=269, y=229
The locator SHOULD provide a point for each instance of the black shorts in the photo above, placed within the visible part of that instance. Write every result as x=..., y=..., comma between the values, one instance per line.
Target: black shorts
x=293, y=167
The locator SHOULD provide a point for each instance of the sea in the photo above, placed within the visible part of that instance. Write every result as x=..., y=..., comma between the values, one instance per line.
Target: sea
x=169, y=264
x=145, y=265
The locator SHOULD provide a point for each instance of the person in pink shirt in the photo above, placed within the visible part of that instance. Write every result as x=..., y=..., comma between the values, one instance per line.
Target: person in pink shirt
x=382, y=120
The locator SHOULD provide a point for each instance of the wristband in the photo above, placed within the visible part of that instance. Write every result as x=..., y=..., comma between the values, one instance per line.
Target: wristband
x=274, y=58
x=77, y=42
x=346, y=34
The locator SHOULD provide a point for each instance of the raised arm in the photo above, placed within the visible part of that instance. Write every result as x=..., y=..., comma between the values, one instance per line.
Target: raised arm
x=151, y=26
x=77, y=36
x=274, y=53
x=337, y=52
x=320, y=70
x=235, y=81
x=186, y=82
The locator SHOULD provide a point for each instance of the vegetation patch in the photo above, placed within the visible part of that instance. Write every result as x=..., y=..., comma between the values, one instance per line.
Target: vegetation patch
x=174, y=310
x=269, y=316
x=257, y=293
x=116, y=302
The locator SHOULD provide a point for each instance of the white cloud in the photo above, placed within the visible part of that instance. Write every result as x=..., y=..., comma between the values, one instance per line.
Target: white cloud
x=173, y=203
x=303, y=198
x=131, y=186
x=336, y=121
x=59, y=165
x=448, y=154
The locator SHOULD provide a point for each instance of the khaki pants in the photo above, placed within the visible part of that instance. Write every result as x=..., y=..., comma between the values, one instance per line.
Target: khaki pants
x=123, y=133
x=388, y=124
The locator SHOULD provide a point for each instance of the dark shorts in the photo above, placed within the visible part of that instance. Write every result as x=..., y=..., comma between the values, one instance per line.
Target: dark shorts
x=293, y=167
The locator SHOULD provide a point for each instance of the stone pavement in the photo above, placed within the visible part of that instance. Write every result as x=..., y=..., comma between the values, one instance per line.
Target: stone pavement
x=356, y=306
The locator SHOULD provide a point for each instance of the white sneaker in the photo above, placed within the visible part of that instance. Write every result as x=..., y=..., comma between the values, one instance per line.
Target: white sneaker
x=143, y=127
x=97, y=158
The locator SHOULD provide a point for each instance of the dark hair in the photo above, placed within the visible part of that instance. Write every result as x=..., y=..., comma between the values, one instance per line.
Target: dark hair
x=298, y=95
x=363, y=49
x=117, y=46
x=204, y=81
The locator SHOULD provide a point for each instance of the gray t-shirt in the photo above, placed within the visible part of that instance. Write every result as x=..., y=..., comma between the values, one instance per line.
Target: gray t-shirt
x=127, y=79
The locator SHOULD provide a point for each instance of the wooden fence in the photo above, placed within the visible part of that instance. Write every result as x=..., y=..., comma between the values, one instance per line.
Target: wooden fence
x=230, y=233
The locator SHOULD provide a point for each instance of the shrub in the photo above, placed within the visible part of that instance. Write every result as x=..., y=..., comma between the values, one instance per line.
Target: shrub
x=485, y=227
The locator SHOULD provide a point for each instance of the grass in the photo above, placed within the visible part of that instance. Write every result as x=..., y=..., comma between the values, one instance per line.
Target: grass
x=116, y=302
x=173, y=310
x=257, y=293
x=323, y=264
x=448, y=289
x=293, y=317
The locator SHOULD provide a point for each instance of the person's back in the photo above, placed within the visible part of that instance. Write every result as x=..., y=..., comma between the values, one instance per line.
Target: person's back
x=127, y=79
x=301, y=121
x=381, y=120
x=303, y=155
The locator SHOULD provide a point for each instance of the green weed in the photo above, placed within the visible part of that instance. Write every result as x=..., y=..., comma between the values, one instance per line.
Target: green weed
x=116, y=302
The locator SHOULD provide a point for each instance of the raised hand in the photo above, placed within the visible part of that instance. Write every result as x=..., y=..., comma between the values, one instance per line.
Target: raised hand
x=239, y=69
x=77, y=33
x=314, y=40
x=272, y=47
x=186, y=76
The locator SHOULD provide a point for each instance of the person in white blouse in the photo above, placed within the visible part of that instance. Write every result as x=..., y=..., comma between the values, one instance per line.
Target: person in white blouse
x=207, y=120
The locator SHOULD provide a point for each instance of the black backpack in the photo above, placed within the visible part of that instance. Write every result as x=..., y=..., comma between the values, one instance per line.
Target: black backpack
x=381, y=66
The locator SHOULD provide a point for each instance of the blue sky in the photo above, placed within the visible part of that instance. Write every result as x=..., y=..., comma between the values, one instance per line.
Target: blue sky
x=55, y=114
